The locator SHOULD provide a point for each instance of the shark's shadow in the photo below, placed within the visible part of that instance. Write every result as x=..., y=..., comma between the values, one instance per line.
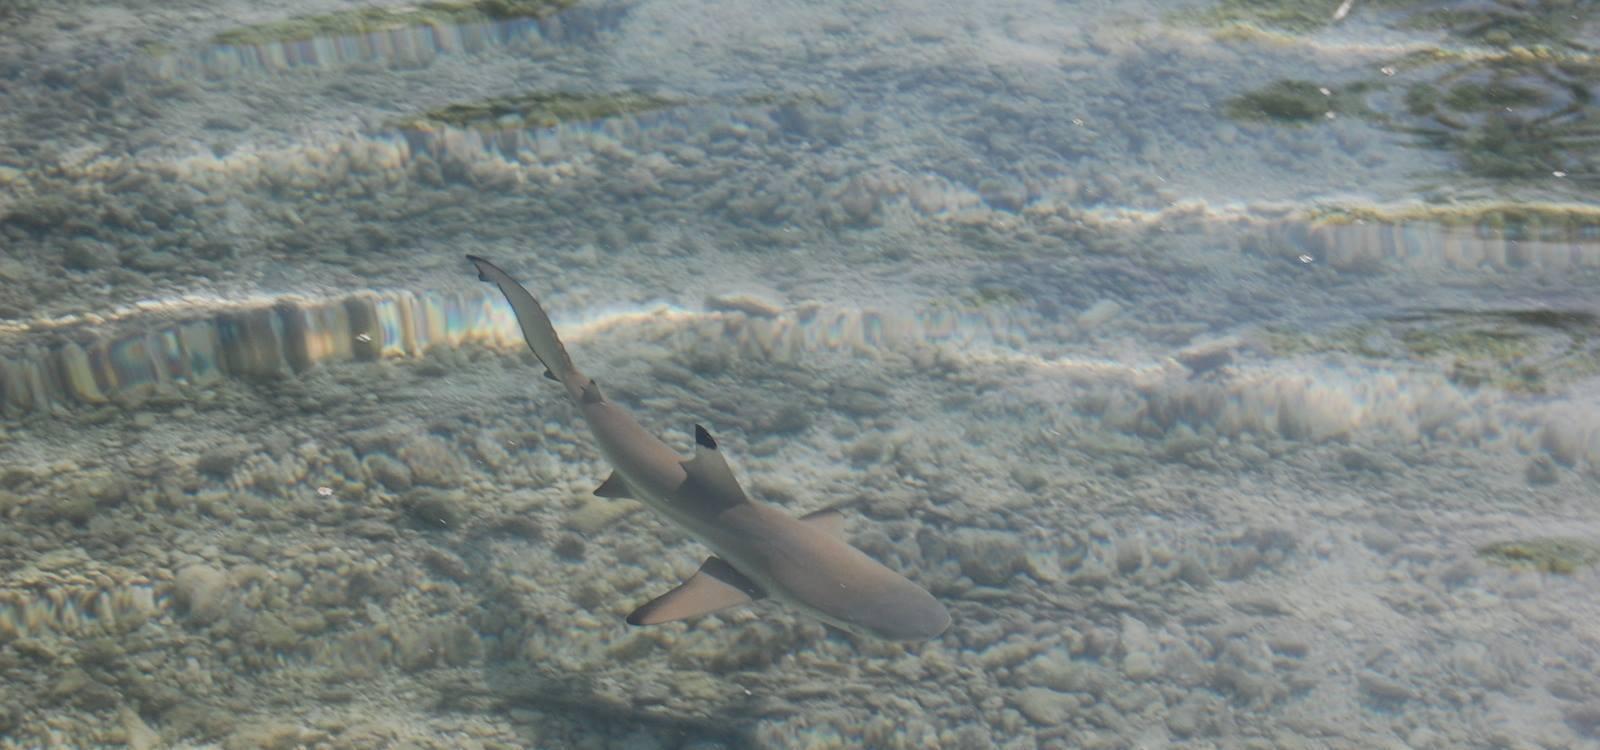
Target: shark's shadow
x=507, y=681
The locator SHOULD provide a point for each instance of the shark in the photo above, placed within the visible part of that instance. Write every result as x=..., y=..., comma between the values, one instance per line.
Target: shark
x=759, y=551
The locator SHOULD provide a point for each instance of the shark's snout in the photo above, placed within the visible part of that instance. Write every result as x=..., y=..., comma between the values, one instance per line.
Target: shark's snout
x=911, y=614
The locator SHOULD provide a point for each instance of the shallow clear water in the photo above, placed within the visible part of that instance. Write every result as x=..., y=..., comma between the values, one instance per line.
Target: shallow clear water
x=1228, y=369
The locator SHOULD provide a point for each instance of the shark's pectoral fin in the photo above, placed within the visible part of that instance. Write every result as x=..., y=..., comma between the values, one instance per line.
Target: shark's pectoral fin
x=715, y=586
x=548, y=375
x=614, y=486
x=708, y=470
x=827, y=519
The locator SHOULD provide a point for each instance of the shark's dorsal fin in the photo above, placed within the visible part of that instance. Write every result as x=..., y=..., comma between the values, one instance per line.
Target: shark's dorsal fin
x=708, y=471
x=703, y=439
x=614, y=486
x=827, y=519
x=715, y=586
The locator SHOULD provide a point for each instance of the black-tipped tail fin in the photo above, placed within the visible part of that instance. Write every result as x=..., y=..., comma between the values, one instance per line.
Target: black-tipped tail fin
x=537, y=330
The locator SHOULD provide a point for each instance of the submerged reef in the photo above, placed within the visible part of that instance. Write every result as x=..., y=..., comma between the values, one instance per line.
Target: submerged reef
x=548, y=109
x=1518, y=350
x=1523, y=109
x=1504, y=23
x=1514, y=116
x=367, y=20
x=1505, y=348
x=1495, y=22
x=1286, y=16
x=1296, y=16
x=1545, y=554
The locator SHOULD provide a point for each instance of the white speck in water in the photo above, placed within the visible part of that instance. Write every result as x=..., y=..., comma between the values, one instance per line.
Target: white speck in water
x=1306, y=259
x=1387, y=70
x=325, y=491
x=1559, y=173
x=364, y=338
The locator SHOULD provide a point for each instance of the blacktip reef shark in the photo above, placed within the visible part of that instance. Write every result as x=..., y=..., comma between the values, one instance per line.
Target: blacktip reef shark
x=760, y=551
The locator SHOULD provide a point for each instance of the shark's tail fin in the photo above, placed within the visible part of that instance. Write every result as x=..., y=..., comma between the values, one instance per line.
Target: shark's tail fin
x=536, y=327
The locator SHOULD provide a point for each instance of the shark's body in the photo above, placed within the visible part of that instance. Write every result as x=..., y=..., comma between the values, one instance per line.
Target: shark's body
x=759, y=550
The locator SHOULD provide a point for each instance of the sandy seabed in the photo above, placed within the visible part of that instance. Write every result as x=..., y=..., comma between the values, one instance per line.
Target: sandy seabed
x=1074, y=350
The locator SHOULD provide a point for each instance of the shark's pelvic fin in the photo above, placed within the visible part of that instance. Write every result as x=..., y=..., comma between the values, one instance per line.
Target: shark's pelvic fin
x=827, y=519
x=715, y=586
x=614, y=486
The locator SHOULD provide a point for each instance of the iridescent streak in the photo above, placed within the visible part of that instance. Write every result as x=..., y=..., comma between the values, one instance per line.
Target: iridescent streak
x=1551, y=242
x=405, y=46
x=282, y=337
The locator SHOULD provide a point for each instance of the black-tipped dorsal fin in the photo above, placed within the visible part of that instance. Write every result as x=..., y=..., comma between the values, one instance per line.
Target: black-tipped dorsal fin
x=715, y=586
x=827, y=519
x=709, y=474
x=615, y=487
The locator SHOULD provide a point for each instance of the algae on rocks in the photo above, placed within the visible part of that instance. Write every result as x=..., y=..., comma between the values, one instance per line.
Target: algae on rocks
x=1523, y=114
x=541, y=109
x=1501, y=23
x=1523, y=110
x=1295, y=16
x=1551, y=23
x=1528, y=350
x=1563, y=555
x=1297, y=102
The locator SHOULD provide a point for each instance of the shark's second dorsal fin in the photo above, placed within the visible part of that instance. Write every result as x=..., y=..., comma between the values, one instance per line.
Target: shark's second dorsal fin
x=709, y=473
x=715, y=586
